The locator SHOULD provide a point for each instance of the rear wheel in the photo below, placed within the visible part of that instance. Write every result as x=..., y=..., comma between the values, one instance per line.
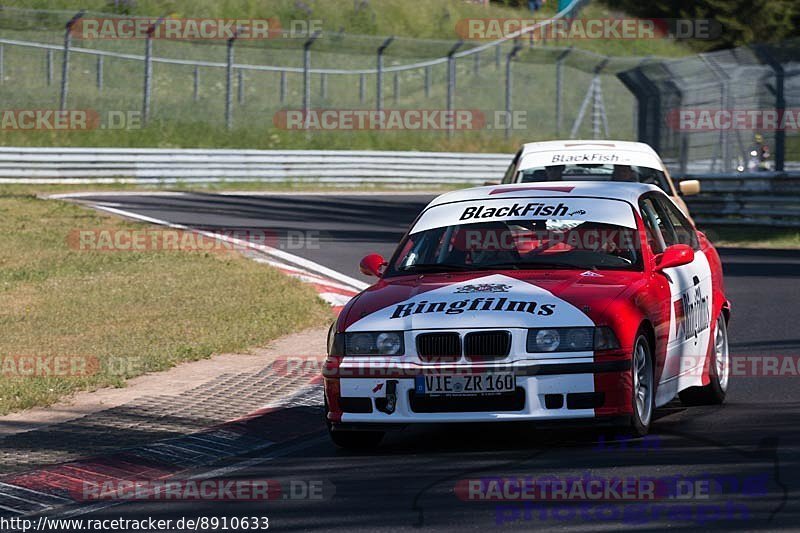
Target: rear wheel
x=718, y=372
x=642, y=400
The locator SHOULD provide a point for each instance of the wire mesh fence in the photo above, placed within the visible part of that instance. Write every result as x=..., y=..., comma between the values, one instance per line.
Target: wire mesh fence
x=531, y=89
x=727, y=111
x=247, y=83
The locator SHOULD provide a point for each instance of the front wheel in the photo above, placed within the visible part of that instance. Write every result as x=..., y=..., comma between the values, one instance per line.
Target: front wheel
x=718, y=372
x=643, y=399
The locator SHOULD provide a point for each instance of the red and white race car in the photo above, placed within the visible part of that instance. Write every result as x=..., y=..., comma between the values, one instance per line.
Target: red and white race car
x=576, y=300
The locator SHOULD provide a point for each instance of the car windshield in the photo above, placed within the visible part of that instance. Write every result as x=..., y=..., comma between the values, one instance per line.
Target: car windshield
x=569, y=241
x=595, y=172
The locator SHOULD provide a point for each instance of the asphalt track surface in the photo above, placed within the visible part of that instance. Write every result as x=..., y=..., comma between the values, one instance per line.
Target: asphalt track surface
x=753, y=439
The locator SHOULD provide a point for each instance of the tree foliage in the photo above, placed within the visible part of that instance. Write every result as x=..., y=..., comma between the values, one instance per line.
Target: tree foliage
x=742, y=21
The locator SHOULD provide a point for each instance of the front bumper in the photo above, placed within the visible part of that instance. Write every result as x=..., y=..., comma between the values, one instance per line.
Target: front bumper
x=554, y=390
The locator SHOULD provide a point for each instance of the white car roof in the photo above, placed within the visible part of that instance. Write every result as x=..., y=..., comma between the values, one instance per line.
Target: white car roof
x=538, y=154
x=595, y=201
x=626, y=191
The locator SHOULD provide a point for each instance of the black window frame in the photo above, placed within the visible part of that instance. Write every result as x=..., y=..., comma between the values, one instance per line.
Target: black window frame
x=669, y=207
x=511, y=172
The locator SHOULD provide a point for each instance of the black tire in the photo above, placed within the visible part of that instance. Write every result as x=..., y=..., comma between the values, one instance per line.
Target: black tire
x=357, y=440
x=641, y=418
x=714, y=393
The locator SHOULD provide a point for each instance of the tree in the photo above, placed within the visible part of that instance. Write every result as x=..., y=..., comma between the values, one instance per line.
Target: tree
x=741, y=21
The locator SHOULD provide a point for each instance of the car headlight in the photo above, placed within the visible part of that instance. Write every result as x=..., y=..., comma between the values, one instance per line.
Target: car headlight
x=571, y=340
x=374, y=343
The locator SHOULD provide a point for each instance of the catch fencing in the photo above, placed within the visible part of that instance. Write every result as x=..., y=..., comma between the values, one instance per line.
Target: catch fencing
x=241, y=84
x=753, y=79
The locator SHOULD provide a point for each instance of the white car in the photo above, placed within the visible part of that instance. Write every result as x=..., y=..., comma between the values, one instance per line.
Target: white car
x=578, y=160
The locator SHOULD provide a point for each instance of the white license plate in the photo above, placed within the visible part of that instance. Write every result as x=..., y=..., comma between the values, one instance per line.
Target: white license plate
x=469, y=384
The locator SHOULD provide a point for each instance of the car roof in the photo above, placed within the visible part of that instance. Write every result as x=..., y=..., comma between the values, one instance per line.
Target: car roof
x=625, y=191
x=586, y=144
x=536, y=154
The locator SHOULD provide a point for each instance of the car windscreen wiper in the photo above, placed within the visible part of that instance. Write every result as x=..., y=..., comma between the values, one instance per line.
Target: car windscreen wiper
x=535, y=265
x=436, y=267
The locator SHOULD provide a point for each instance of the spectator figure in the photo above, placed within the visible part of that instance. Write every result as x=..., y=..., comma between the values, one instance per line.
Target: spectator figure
x=534, y=5
x=624, y=173
x=554, y=172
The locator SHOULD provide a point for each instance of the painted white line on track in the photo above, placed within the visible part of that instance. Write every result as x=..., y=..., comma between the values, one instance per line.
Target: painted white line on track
x=274, y=252
x=67, y=196
x=36, y=492
x=391, y=192
x=335, y=299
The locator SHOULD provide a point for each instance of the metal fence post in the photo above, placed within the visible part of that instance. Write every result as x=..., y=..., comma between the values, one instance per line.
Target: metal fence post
x=148, y=71
x=307, y=73
x=148, y=74
x=725, y=103
x=2, y=64
x=196, y=84
x=509, y=81
x=778, y=90
x=240, y=86
x=49, y=67
x=65, y=64
x=428, y=82
x=229, y=82
x=780, y=105
x=559, y=88
x=497, y=54
x=451, y=83
x=379, y=76
x=323, y=86
x=283, y=86
x=362, y=88
x=477, y=64
x=396, y=87
x=100, y=73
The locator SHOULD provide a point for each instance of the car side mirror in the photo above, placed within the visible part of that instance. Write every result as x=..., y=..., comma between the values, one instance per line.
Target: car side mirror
x=674, y=256
x=689, y=187
x=372, y=265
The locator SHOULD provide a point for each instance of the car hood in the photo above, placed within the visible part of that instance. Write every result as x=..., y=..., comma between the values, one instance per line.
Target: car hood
x=525, y=299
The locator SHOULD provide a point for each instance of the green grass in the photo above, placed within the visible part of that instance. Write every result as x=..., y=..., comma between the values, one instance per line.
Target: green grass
x=433, y=19
x=135, y=312
x=754, y=237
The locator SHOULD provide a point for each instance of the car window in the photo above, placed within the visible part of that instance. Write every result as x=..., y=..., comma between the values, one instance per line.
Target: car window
x=682, y=229
x=511, y=171
x=658, y=232
x=594, y=172
x=521, y=234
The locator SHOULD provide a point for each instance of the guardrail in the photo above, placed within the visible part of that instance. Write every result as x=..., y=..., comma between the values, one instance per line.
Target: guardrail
x=761, y=198
x=164, y=166
x=757, y=198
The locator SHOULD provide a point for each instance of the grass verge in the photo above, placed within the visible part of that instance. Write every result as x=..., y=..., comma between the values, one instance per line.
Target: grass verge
x=125, y=313
x=754, y=237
